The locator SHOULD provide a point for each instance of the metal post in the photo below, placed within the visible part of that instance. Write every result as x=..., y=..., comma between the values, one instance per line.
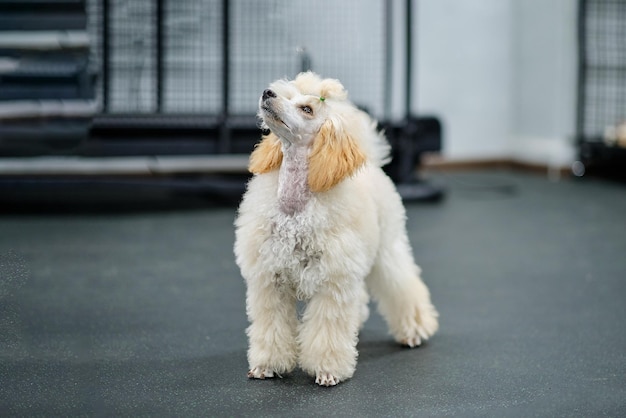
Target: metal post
x=582, y=51
x=225, y=130
x=306, y=63
x=388, y=85
x=225, y=57
x=106, y=74
x=409, y=58
x=160, y=53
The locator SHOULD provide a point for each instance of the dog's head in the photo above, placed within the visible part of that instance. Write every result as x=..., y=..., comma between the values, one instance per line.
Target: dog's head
x=314, y=113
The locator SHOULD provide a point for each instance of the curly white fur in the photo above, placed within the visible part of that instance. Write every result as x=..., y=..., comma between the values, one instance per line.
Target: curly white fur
x=321, y=222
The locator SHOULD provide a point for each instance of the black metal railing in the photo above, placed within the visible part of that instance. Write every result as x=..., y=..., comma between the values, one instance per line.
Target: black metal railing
x=601, y=95
x=172, y=77
x=242, y=46
x=602, y=66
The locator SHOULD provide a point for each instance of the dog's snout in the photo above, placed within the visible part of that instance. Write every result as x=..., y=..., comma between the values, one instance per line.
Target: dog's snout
x=267, y=93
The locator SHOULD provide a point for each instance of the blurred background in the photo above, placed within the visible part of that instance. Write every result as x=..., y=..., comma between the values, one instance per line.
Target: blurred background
x=136, y=91
x=125, y=130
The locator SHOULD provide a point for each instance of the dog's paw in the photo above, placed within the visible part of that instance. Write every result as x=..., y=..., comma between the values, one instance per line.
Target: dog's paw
x=326, y=379
x=260, y=373
x=412, y=342
x=423, y=327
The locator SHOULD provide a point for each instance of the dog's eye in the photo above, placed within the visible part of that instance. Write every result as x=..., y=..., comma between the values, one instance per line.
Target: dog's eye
x=306, y=109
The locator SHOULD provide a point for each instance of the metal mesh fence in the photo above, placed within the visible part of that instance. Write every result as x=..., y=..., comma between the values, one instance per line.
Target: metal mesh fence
x=94, y=29
x=192, y=49
x=266, y=40
x=603, y=66
x=343, y=40
x=133, y=65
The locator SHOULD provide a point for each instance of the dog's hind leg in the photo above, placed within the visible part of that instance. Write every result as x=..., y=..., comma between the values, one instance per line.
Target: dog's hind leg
x=403, y=298
x=273, y=319
x=329, y=332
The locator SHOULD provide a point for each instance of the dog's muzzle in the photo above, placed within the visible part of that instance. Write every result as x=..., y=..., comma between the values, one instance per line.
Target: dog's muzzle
x=268, y=94
x=267, y=106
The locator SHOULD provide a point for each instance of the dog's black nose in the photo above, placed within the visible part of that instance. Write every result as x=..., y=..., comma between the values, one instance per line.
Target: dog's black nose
x=267, y=93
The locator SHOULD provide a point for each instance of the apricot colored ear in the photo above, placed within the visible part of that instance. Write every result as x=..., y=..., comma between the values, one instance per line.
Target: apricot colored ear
x=267, y=155
x=332, y=89
x=335, y=155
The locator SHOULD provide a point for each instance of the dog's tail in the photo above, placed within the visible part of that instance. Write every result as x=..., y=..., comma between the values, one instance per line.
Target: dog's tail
x=381, y=150
x=374, y=142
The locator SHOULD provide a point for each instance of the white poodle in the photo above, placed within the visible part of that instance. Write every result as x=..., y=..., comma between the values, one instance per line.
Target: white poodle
x=321, y=222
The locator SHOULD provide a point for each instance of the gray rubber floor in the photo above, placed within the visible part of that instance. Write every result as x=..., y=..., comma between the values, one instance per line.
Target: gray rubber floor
x=134, y=307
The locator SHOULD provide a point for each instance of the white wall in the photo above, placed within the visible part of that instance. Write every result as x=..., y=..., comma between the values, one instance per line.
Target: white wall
x=464, y=74
x=544, y=95
x=501, y=74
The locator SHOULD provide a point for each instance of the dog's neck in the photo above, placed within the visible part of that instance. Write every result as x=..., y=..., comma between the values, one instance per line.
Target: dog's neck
x=293, y=186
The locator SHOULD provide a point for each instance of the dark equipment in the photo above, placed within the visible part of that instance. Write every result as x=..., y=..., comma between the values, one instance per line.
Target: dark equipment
x=601, y=105
x=179, y=78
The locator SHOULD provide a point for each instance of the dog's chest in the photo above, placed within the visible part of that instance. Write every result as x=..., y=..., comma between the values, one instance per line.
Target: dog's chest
x=296, y=252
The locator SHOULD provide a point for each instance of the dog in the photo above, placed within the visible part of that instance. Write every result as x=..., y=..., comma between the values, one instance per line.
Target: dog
x=322, y=223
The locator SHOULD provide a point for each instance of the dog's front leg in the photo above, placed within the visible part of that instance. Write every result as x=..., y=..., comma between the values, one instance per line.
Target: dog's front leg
x=328, y=333
x=273, y=319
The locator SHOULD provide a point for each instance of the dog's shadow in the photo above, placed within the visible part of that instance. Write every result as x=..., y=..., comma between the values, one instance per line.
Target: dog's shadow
x=379, y=352
x=377, y=346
